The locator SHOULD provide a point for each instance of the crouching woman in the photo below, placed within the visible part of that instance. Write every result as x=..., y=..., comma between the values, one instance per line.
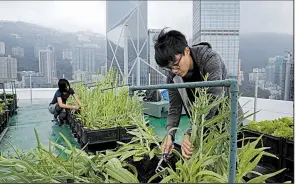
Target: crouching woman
x=58, y=105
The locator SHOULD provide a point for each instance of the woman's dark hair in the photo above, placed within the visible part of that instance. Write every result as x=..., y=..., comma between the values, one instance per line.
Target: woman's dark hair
x=167, y=45
x=63, y=85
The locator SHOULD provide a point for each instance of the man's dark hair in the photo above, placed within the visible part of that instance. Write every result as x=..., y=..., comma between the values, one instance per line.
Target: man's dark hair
x=167, y=45
x=63, y=84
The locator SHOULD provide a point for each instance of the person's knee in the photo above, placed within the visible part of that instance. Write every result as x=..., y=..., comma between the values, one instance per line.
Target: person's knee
x=62, y=115
x=58, y=108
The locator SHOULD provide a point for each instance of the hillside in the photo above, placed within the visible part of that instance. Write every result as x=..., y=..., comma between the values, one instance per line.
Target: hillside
x=256, y=48
x=60, y=40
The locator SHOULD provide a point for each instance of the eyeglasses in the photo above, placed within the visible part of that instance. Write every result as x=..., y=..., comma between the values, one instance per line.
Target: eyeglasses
x=173, y=65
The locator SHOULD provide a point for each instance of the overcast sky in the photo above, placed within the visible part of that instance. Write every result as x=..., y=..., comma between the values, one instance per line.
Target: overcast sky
x=256, y=16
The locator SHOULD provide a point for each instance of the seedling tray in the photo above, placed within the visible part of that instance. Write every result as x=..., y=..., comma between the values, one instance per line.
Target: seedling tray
x=289, y=165
x=99, y=136
x=123, y=135
x=275, y=143
x=271, y=163
x=288, y=149
x=102, y=147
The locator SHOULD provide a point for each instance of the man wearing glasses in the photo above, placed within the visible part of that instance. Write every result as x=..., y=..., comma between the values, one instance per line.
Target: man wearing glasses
x=190, y=64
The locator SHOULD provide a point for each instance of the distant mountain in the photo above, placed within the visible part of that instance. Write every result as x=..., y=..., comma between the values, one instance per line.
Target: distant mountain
x=256, y=48
x=60, y=40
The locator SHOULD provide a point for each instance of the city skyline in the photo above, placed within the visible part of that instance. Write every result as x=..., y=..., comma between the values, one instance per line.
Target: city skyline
x=269, y=16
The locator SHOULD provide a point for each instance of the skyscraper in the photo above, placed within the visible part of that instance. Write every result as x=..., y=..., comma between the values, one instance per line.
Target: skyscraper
x=218, y=22
x=270, y=70
x=2, y=48
x=126, y=25
x=39, y=43
x=157, y=75
x=47, y=64
x=84, y=58
x=18, y=51
x=287, y=77
x=8, y=69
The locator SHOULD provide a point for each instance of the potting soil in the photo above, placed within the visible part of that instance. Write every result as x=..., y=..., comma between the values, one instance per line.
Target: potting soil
x=21, y=134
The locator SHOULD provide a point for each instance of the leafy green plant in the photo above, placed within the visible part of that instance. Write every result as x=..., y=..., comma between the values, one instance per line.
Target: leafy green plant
x=282, y=127
x=210, y=138
x=43, y=165
x=110, y=108
x=2, y=107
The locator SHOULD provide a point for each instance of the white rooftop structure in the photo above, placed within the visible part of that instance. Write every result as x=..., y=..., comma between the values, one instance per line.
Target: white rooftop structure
x=268, y=109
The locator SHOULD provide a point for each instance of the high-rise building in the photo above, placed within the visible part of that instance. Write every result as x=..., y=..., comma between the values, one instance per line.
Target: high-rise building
x=39, y=43
x=218, y=22
x=157, y=75
x=47, y=64
x=84, y=58
x=18, y=51
x=270, y=70
x=8, y=69
x=278, y=72
x=291, y=92
x=67, y=54
x=126, y=25
x=80, y=76
x=2, y=48
x=287, y=77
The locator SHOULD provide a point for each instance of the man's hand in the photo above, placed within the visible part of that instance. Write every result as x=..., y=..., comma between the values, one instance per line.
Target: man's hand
x=75, y=108
x=167, y=146
x=187, y=147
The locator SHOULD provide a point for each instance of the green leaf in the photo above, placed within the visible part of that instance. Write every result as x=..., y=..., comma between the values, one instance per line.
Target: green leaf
x=263, y=178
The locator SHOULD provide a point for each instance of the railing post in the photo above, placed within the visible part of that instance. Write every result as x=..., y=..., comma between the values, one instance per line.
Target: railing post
x=233, y=131
x=131, y=92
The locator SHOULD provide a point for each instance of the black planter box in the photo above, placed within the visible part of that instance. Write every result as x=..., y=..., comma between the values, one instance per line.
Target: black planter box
x=275, y=143
x=271, y=163
x=147, y=167
x=1, y=118
x=288, y=149
x=102, y=147
x=77, y=126
x=289, y=178
x=99, y=136
x=123, y=135
x=276, y=179
x=253, y=135
x=289, y=165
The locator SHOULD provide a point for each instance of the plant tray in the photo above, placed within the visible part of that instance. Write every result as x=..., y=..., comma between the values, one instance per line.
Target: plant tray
x=2, y=118
x=123, y=135
x=289, y=165
x=275, y=143
x=271, y=163
x=79, y=131
x=288, y=149
x=289, y=178
x=77, y=126
x=276, y=179
x=102, y=147
x=99, y=136
x=248, y=134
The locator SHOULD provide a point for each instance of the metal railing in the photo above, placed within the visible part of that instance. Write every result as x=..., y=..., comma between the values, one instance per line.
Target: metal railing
x=233, y=88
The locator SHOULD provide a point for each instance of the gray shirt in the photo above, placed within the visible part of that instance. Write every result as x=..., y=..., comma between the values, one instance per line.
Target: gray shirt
x=207, y=61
